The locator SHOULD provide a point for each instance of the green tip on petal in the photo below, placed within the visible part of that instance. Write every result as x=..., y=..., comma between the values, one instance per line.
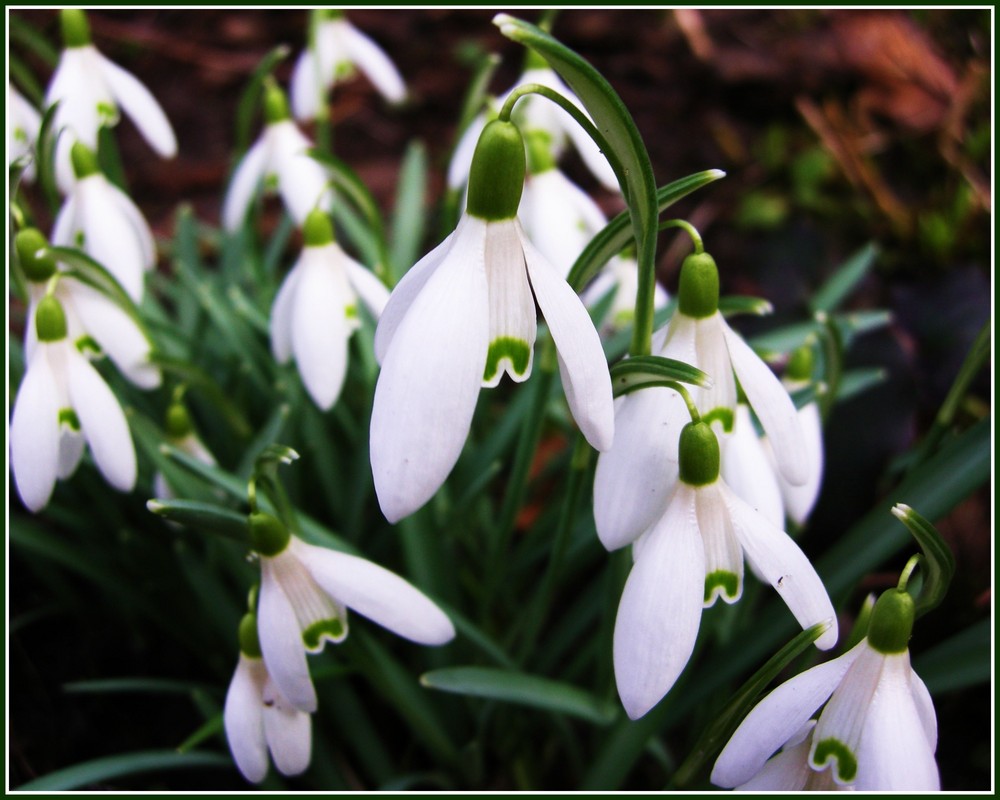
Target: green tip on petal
x=515, y=351
x=846, y=762
x=178, y=421
x=800, y=364
x=84, y=161
x=75, y=28
x=249, y=641
x=314, y=635
x=496, y=178
x=698, y=295
x=275, y=105
x=891, y=622
x=267, y=535
x=50, y=320
x=317, y=230
x=32, y=250
x=722, y=582
x=698, y=454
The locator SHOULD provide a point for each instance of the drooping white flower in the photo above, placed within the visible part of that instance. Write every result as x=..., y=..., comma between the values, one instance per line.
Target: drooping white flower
x=23, y=124
x=305, y=592
x=316, y=310
x=62, y=405
x=460, y=319
x=90, y=89
x=690, y=557
x=336, y=49
x=100, y=219
x=258, y=718
x=620, y=276
x=747, y=470
x=789, y=770
x=876, y=732
x=281, y=153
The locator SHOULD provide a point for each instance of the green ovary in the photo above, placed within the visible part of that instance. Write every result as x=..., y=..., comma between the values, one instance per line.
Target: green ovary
x=729, y=582
x=846, y=763
x=313, y=636
x=515, y=351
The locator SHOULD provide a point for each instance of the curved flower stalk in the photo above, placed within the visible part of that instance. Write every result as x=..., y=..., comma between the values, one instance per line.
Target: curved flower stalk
x=620, y=276
x=100, y=219
x=316, y=310
x=62, y=405
x=305, y=592
x=259, y=719
x=280, y=154
x=689, y=558
x=23, y=124
x=460, y=319
x=90, y=89
x=335, y=49
x=876, y=732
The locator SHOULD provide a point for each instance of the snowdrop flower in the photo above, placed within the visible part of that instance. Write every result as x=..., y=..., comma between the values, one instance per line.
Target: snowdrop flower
x=305, y=592
x=281, y=154
x=23, y=124
x=620, y=276
x=182, y=435
x=335, y=49
x=63, y=404
x=747, y=470
x=877, y=731
x=789, y=770
x=100, y=219
x=316, y=310
x=534, y=113
x=258, y=718
x=89, y=90
x=689, y=558
x=460, y=319
x=634, y=479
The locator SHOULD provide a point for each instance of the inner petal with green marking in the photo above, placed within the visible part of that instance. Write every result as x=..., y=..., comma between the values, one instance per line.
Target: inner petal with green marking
x=844, y=761
x=722, y=583
x=334, y=630
x=320, y=617
x=509, y=355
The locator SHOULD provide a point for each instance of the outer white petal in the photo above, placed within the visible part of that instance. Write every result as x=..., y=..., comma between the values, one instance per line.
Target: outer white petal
x=246, y=178
x=679, y=339
x=925, y=707
x=243, y=719
x=66, y=224
x=281, y=641
x=137, y=101
x=582, y=364
x=426, y=393
x=723, y=553
x=799, y=500
x=368, y=287
x=287, y=730
x=777, y=718
x=512, y=307
x=71, y=447
x=785, y=566
x=282, y=311
x=592, y=156
x=372, y=60
x=660, y=610
x=772, y=405
x=302, y=181
x=788, y=771
x=34, y=433
x=306, y=89
x=103, y=225
x=635, y=477
x=143, y=234
x=461, y=159
x=378, y=594
x=102, y=421
x=747, y=470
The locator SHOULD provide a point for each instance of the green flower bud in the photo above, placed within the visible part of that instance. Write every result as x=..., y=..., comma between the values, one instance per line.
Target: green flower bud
x=32, y=250
x=267, y=535
x=178, y=421
x=496, y=177
x=800, y=364
x=50, y=320
x=892, y=622
x=249, y=642
x=698, y=453
x=698, y=295
x=84, y=161
x=275, y=105
x=317, y=230
x=540, y=158
x=75, y=28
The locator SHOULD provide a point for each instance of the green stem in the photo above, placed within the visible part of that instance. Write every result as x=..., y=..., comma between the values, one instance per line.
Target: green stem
x=833, y=355
x=911, y=565
x=699, y=248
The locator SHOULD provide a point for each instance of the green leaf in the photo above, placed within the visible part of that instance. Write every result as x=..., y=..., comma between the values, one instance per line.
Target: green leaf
x=409, y=216
x=25, y=34
x=252, y=95
x=212, y=727
x=203, y=516
x=85, y=269
x=640, y=372
x=732, y=305
x=958, y=662
x=138, y=685
x=101, y=770
x=938, y=564
x=522, y=689
x=46, y=160
x=202, y=383
x=832, y=293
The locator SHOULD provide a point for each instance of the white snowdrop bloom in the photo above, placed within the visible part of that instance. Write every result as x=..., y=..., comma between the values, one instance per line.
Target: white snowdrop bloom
x=259, y=719
x=876, y=732
x=789, y=770
x=280, y=154
x=23, y=124
x=690, y=557
x=305, y=592
x=460, y=319
x=747, y=470
x=620, y=276
x=63, y=404
x=337, y=47
x=90, y=89
x=316, y=310
x=100, y=219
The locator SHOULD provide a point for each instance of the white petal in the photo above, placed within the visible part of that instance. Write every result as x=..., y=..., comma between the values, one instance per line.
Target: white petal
x=243, y=721
x=302, y=181
x=772, y=405
x=635, y=477
x=243, y=186
x=461, y=159
x=137, y=101
x=777, y=718
x=368, y=287
x=713, y=358
x=282, y=311
x=71, y=447
x=103, y=423
x=281, y=641
x=592, y=156
x=785, y=566
x=723, y=554
x=799, y=500
x=306, y=89
x=66, y=224
x=678, y=339
x=582, y=364
x=426, y=393
x=512, y=308
x=105, y=230
x=788, y=771
x=140, y=227
x=747, y=470
x=378, y=594
x=660, y=610
x=288, y=732
x=34, y=434
x=373, y=61
x=925, y=707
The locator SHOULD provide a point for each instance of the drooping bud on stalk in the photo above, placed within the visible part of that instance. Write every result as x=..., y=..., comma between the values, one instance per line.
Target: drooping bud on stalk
x=267, y=535
x=317, y=230
x=275, y=105
x=496, y=178
x=75, y=28
x=698, y=454
x=50, y=320
x=178, y=421
x=249, y=642
x=84, y=161
x=32, y=250
x=800, y=364
x=698, y=294
x=892, y=622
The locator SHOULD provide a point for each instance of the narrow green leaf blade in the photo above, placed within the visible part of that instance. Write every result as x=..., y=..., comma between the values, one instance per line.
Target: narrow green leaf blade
x=832, y=293
x=203, y=516
x=938, y=565
x=101, y=770
x=640, y=372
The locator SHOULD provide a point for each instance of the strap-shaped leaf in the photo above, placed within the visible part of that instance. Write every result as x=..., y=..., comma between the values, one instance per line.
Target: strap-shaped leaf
x=847, y=276
x=735, y=304
x=203, y=516
x=938, y=565
x=641, y=372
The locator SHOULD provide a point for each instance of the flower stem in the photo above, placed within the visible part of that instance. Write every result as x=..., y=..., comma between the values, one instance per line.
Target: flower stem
x=699, y=248
x=906, y=574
